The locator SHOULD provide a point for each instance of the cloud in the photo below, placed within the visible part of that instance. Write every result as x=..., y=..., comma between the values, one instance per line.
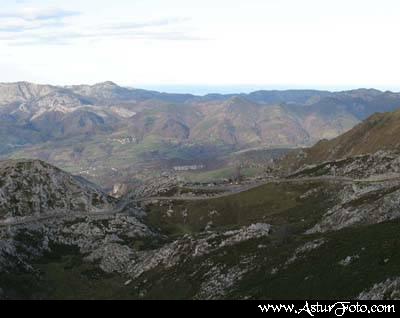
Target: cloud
x=18, y=25
x=146, y=24
x=70, y=38
x=38, y=14
x=51, y=27
x=27, y=19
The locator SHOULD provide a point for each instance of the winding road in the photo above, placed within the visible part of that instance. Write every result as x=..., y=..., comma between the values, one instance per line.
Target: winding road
x=229, y=190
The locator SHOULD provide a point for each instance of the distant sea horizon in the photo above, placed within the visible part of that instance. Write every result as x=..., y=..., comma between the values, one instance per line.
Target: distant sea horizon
x=245, y=89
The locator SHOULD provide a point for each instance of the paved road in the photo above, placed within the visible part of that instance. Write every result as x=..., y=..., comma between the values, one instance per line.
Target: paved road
x=43, y=217
x=229, y=190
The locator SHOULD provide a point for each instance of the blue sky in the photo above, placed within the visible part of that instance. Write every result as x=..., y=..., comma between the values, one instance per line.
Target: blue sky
x=185, y=43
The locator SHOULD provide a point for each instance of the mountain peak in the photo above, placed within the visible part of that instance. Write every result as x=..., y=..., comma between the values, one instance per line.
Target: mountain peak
x=106, y=84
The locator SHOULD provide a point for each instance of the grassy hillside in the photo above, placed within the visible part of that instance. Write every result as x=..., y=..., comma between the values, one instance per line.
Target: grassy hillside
x=381, y=131
x=272, y=203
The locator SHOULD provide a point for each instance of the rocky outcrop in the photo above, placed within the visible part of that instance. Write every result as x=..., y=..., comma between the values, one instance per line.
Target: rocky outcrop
x=304, y=249
x=218, y=281
x=108, y=234
x=362, y=203
x=34, y=188
x=382, y=164
x=116, y=257
x=119, y=190
x=110, y=242
x=158, y=186
x=386, y=290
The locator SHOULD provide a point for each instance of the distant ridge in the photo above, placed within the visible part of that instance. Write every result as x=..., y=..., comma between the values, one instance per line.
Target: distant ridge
x=85, y=127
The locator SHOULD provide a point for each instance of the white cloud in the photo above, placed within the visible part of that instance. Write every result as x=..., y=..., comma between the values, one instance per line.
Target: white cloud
x=123, y=25
x=50, y=26
x=290, y=43
x=36, y=13
x=28, y=19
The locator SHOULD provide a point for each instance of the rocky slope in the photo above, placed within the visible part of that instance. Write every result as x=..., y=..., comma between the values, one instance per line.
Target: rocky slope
x=113, y=243
x=366, y=160
x=33, y=188
x=379, y=165
x=362, y=203
x=284, y=239
x=379, y=132
x=387, y=290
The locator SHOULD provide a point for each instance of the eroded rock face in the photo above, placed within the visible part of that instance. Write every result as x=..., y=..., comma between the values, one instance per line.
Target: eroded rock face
x=304, y=249
x=386, y=290
x=382, y=164
x=119, y=190
x=109, y=241
x=219, y=280
x=32, y=187
x=103, y=235
x=128, y=261
x=153, y=188
x=362, y=203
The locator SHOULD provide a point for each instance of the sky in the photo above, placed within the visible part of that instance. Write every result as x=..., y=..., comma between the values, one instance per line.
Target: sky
x=208, y=45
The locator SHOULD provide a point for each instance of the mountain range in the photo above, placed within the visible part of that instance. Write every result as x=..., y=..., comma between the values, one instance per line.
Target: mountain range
x=323, y=225
x=108, y=133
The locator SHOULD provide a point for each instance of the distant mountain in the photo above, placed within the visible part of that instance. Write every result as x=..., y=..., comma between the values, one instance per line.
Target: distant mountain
x=240, y=121
x=288, y=96
x=109, y=92
x=379, y=132
x=82, y=127
x=268, y=118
